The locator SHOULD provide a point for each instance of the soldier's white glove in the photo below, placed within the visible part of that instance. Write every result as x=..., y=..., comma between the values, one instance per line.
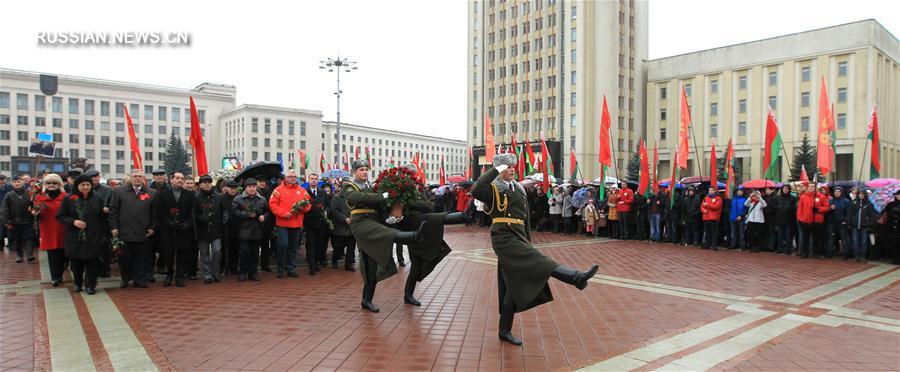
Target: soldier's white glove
x=502, y=167
x=385, y=195
x=391, y=220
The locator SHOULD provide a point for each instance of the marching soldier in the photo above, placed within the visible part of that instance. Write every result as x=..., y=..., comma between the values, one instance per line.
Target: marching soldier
x=522, y=271
x=375, y=240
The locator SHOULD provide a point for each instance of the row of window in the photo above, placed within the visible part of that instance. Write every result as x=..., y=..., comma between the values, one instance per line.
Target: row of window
x=40, y=121
x=773, y=103
x=56, y=106
x=233, y=128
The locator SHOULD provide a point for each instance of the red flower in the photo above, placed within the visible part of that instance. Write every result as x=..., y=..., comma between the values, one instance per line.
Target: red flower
x=392, y=193
x=173, y=211
x=143, y=197
x=73, y=197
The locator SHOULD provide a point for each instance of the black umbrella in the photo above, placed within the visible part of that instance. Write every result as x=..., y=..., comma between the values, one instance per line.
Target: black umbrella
x=466, y=183
x=265, y=170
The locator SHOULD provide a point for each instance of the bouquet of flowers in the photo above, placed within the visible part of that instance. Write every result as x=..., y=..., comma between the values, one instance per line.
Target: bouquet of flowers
x=117, y=246
x=173, y=213
x=298, y=206
x=324, y=217
x=79, y=211
x=401, y=184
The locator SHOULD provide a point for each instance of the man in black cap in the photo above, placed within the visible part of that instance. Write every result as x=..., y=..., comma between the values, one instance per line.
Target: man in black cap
x=105, y=194
x=251, y=212
x=15, y=214
x=70, y=179
x=209, y=215
x=160, y=182
x=375, y=240
x=175, y=206
x=231, y=256
x=132, y=219
x=4, y=189
x=522, y=271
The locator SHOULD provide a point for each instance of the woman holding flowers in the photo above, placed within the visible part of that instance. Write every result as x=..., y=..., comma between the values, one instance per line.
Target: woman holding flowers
x=82, y=216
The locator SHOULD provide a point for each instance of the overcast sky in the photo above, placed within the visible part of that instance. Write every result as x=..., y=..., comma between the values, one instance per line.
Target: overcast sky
x=411, y=54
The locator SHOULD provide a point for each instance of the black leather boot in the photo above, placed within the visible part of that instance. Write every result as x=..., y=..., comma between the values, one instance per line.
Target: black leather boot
x=411, y=237
x=399, y=248
x=409, y=290
x=574, y=277
x=507, y=313
x=455, y=218
x=368, y=295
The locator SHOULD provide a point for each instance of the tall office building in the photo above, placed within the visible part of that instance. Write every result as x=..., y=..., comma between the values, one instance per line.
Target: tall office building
x=731, y=88
x=542, y=67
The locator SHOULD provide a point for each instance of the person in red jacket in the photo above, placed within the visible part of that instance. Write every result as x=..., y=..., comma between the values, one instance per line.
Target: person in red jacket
x=811, y=210
x=626, y=198
x=285, y=204
x=712, y=212
x=46, y=204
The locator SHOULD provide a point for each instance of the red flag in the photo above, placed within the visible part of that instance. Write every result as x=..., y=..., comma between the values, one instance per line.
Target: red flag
x=488, y=140
x=368, y=159
x=136, y=158
x=303, y=160
x=672, y=180
x=441, y=175
x=421, y=172
x=875, y=169
x=605, y=139
x=322, y=162
x=197, y=142
x=825, y=146
x=644, y=179
x=729, y=169
x=346, y=161
x=573, y=164
x=803, y=176
x=683, y=132
x=713, y=177
x=655, y=179
x=356, y=153
x=520, y=160
x=545, y=155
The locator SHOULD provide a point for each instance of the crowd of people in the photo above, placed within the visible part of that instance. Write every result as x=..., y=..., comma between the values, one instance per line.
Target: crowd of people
x=185, y=230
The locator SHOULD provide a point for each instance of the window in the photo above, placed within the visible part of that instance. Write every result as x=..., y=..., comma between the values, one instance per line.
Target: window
x=804, y=99
x=40, y=121
x=148, y=128
x=804, y=124
x=662, y=133
x=104, y=108
x=662, y=114
x=161, y=129
x=148, y=112
x=742, y=128
x=201, y=114
x=687, y=89
x=4, y=134
x=176, y=114
x=161, y=113
x=4, y=100
x=120, y=141
x=842, y=68
x=134, y=110
x=22, y=120
x=22, y=101
x=714, y=86
x=120, y=168
x=572, y=35
x=572, y=120
x=742, y=106
x=267, y=142
x=842, y=121
x=572, y=100
x=22, y=135
x=73, y=138
x=120, y=127
x=89, y=139
x=773, y=78
x=57, y=137
x=573, y=77
x=4, y=119
x=40, y=103
x=713, y=109
x=842, y=95
x=73, y=105
x=662, y=93
x=742, y=82
x=120, y=110
x=57, y=104
x=73, y=123
x=104, y=140
x=148, y=142
x=804, y=74
x=773, y=102
x=148, y=156
x=89, y=107
x=713, y=130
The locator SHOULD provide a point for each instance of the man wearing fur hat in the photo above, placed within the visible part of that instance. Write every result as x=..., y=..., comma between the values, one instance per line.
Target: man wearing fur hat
x=375, y=240
x=522, y=271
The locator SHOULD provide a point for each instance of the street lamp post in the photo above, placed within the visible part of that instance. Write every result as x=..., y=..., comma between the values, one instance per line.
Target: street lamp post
x=338, y=64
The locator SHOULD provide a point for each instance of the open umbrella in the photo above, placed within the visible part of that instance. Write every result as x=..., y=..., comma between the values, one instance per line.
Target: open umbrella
x=336, y=174
x=882, y=182
x=665, y=183
x=456, y=179
x=758, y=184
x=263, y=170
x=540, y=177
x=466, y=183
x=579, y=197
x=846, y=185
x=607, y=179
x=694, y=179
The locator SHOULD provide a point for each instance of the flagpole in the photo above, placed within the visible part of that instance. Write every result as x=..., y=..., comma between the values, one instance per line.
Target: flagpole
x=697, y=152
x=863, y=163
x=615, y=163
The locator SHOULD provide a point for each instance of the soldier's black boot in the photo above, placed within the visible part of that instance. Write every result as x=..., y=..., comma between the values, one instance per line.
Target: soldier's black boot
x=368, y=294
x=455, y=218
x=409, y=290
x=507, y=313
x=411, y=237
x=574, y=277
x=400, y=260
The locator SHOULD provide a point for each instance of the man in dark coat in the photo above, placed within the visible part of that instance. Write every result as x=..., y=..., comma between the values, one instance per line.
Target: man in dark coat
x=132, y=218
x=5, y=188
x=250, y=210
x=83, y=218
x=176, y=207
x=269, y=243
x=315, y=225
x=159, y=183
x=232, y=242
x=522, y=271
x=15, y=214
x=375, y=240
x=209, y=214
x=784, y=206
x=690, y=215
x=342, y=241
x=104, y=193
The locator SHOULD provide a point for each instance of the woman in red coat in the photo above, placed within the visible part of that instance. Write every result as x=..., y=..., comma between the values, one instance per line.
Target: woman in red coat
x=47, y=203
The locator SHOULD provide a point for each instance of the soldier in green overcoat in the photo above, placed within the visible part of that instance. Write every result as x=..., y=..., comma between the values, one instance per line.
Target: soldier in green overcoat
x=522, y=271
x=426, y=256
x=374, y=239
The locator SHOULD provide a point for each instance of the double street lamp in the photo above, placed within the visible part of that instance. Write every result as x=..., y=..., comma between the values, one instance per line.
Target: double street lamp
x=336, y=65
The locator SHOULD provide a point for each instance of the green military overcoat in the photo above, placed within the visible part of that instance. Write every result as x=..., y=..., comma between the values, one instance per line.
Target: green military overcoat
x=372, y=237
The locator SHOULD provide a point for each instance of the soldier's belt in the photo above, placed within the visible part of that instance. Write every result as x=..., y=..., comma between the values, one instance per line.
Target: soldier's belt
x=362, y=211
x=514, y=221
